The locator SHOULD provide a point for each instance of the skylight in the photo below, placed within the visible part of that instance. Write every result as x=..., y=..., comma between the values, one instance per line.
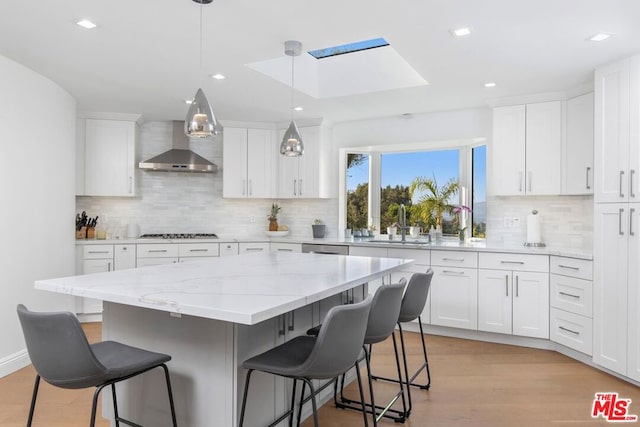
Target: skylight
x=348, y=48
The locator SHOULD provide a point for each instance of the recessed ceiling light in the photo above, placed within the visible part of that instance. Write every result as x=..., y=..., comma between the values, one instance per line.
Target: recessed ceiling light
x=459, y=32
x=490, y=84
x=599, y=37
x=85, y=23
x=218, y=76
x=298, y=108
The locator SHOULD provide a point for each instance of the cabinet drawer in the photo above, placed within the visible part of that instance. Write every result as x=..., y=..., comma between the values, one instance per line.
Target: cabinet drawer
x=573, y=267
x=572, y=330
x=253, y=247
x=520, y=262
x=421, y=257
x=454, y=259
x=198, y=250
x=362, y=251
x=571, y=294
x=286, y=247
x=147, y=262
x=161, y=250
x=227, y=249
x=98, y=251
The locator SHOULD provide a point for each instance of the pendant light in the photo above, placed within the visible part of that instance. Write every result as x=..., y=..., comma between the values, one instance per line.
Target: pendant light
x=200, y=121
x=292, y=145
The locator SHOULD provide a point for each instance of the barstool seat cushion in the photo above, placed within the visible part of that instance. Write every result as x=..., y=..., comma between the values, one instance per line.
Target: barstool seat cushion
x=287, y=359
x=121, y=360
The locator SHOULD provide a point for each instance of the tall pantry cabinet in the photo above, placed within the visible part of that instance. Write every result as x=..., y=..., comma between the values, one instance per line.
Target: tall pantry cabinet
x=616, y=310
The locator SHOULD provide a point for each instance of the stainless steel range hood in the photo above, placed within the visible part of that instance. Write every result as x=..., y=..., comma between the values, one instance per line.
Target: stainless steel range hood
x=179, y=158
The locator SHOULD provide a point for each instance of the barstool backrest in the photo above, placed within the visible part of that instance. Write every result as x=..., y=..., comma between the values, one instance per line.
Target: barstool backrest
x=415, y=297
x=339, y=341
x=385, y=310
x=59, y=349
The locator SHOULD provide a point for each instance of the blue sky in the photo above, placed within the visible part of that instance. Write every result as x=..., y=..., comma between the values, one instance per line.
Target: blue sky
x=402, y=168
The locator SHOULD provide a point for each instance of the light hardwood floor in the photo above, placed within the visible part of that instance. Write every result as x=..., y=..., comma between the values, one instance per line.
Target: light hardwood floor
x=473, y=384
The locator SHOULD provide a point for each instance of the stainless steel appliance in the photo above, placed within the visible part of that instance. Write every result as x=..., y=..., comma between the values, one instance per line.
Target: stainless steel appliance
x=325, y=249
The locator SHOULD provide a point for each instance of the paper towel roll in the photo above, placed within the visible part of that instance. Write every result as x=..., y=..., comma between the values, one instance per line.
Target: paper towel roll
x=534, y=233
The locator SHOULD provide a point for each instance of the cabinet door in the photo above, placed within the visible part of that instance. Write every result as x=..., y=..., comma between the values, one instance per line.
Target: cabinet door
x=124, y=257
x=91, y=305
x=611, y=132
x=286, y=247
x=454, y=297
x=530, y=304
x=633, y=283
x=494, y=301
x=252, y=247
x=234, y=162
x=228, y=249
x=288, y=186
x=610, y=278
x=309, y=168
x=260, y=152
x=508, y=151
x=634, y=129
x=147, y=262
x=543, y=148
x=577, y=163
x=109, y=158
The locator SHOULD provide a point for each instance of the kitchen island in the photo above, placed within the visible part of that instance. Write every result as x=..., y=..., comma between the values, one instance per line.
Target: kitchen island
x=210, y=315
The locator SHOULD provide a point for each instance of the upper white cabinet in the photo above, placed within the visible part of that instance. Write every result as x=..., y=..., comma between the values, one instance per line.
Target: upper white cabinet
x=527, y=149
x=248, y=163
x=310, y=175
x=616, y=138
x=106, y=157
x=577, y=165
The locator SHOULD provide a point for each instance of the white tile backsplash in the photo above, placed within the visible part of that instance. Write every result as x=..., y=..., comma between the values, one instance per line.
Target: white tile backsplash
x=179, y=202
x=566, y=220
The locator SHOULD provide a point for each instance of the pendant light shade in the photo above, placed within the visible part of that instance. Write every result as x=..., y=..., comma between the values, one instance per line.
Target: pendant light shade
x=291, y=145
x=200, y=122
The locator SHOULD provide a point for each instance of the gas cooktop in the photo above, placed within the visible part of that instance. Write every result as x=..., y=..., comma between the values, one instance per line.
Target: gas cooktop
x=180, y=236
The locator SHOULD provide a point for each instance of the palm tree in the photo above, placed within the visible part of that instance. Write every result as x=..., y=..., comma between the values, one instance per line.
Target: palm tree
x=434, y=202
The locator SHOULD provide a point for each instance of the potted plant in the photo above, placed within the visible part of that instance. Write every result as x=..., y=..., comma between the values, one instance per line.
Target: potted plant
x=318, y=228
x=461, y=211
x=273, y=217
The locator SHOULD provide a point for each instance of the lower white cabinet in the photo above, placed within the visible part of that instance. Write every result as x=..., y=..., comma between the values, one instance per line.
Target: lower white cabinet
x=454, y=297
x=252, y=247
x=421, y=263
x=285, y=247
x=149, y=254
x=513, y=301
x=228, y=249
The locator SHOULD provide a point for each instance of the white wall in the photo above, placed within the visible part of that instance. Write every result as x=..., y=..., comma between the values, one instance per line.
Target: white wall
x=37, y=133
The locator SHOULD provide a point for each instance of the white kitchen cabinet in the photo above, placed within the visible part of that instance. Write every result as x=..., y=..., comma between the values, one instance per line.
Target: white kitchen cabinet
x=198, y=250
x=616, y=279
x=617, y=131
x=577, y=164
x=285, y=247
x=312, y=174
x=106, y=158
x=526, y=149
x=421, y=263
x=252, y=247
x=149, y=254
x=249, y=157
x=514, y=301
x=228, y=249
x=571, y=303
x=124, y=256
x=454, y=289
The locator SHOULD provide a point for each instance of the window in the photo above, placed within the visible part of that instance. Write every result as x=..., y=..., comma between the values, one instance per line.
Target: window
x=348, y=48
x=428, y=182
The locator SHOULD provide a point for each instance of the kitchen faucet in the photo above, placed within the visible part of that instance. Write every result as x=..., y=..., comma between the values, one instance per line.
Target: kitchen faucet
x=402, y=221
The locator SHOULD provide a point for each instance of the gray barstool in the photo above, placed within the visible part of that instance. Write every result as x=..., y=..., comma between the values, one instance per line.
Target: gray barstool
x=412, y=306
x=62, y=356
x=383, y=317
x=334, y=351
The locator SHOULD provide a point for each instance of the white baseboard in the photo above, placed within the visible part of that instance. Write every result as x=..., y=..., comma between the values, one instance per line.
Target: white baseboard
x=14, y=362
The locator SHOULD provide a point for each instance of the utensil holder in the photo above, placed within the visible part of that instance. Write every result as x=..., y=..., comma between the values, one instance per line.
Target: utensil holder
x=91, y=233
x=82, y=233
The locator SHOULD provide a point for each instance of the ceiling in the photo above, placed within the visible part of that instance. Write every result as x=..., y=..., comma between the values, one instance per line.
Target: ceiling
x=143, y=57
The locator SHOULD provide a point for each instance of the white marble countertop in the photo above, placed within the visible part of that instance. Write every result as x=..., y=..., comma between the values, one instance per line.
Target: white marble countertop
x=243, y=289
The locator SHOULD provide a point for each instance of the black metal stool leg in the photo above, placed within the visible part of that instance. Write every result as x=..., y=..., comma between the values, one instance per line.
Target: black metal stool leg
x=316, y=422
x=406, y=412
x=293, y=402
x=364, y=405
x=304, y=385
x=244, y=398
x=116, y=416
x=173, y=408
x=34, y=396
x=94, y=405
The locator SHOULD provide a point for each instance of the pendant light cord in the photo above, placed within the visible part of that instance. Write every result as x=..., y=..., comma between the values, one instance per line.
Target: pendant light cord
x=292, y=84
x=200, y=72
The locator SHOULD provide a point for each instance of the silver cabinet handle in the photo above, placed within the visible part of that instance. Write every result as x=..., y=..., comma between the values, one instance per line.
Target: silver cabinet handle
x=519, y=182
x=621, y=178
x=631, y=212
x=517, y=285
x=250, y=187
x=569, y=267
x=244, y=187
x=506, y=284
x=631, y=173
x=281, y=326
x=511, y=262
x=620, y=212
x=157, y=250
x=98, y=252
x=254, y=249
x=568, y=330
x=109, y=266
x=529, y=179
x=459, y=273
x=453, y=259
x=198, y=250
x=284, y=250
x=292, y=321
x=588, y=170
x=569, y=295
x=295, y=184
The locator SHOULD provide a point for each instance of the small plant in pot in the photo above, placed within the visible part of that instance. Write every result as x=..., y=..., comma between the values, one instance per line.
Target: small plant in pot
x=318, y=229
